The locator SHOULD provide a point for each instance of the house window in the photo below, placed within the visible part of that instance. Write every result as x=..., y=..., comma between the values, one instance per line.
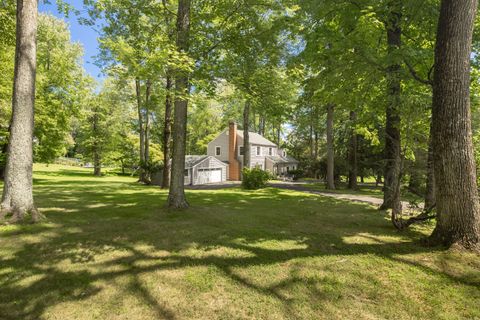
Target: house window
x=284, y=154
x=270, y=151
x=217, y=151
x=240, y=151
x=185, y=173
x=258, y=151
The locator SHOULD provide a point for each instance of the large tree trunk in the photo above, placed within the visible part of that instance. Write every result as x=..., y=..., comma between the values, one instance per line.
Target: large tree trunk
x=458, y=207
x=330, y=149
x=430, y=184
x=246, y=136
x=17, y=196
x=167, y=133
x=176, y=195
x=393, y=161
x=140, y=129
x=352, y=154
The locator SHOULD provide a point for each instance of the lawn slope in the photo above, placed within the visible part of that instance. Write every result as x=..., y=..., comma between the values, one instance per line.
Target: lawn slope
x=110, y=250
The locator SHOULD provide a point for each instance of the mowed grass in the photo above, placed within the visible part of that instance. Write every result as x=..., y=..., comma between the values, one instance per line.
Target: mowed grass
x=370, y=190
x=110, y=250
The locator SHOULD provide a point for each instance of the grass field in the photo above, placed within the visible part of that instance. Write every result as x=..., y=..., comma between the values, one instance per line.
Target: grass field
x=367, y=190
x=110, y=250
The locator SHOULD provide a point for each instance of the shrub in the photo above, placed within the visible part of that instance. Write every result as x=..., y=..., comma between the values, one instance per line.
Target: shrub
x=255, y=178
x=296, y=174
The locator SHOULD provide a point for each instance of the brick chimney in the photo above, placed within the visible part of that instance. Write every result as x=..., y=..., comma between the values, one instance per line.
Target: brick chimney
x=234, y=165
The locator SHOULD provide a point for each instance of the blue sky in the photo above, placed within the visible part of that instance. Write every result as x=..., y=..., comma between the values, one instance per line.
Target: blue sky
x=86, y=35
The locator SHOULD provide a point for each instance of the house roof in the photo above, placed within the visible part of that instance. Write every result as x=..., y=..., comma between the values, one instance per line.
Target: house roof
x=255, y=138
x=282, y=159
x=191, y=160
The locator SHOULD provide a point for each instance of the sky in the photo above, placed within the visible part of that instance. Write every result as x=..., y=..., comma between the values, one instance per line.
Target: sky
x=86, y=35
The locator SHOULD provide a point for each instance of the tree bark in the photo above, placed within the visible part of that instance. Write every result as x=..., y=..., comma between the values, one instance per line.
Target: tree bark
x=167, y=133
x=97, y=166
x=391, y=193
x=246, y=136
x=146, y=149
x=311, y=142
x=330, y=149
x=140, y=129
x=430, y=184
x=17, y=197
x=4, y=154
x=457, y=201
x=167, y=129
x=148, y=90
x=261, y=125
x=352, y=154
x=176, y=195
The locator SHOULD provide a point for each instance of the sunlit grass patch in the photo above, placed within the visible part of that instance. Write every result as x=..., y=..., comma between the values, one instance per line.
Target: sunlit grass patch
x=110, y=250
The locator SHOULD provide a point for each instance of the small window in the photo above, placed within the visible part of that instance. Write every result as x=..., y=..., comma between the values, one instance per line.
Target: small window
x=240, y=151
x=258, y=151
x=217, y=151
x=185, y=173
x=284, y=154
x=270, y=151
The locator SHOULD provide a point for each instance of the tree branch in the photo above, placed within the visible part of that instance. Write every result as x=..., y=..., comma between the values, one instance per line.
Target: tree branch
x=415, y=75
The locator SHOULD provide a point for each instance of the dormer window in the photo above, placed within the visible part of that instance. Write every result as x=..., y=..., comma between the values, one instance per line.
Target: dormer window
x=217, y=151
x=258, y=151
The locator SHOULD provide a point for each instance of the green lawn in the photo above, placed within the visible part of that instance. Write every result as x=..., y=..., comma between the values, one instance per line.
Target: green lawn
x=367, y=190
x=109, y=250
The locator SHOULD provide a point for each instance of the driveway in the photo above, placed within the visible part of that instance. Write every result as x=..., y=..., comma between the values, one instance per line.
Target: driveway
x=304, y=187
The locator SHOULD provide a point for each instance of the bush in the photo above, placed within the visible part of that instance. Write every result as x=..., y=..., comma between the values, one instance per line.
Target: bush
x=255, y=178
x=296, y=174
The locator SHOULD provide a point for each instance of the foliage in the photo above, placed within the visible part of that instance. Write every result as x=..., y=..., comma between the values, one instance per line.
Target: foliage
x=254, y=178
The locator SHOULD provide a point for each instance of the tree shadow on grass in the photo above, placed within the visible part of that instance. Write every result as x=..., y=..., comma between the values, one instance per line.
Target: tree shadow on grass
x=101, y=237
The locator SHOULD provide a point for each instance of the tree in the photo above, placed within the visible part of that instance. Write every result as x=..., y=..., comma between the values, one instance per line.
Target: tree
x=330, y=149
x=352, y=154
x=176, y=195
x=393, y=160
x=458, y=204
x=167, y=125
x=60, y=87
x=17, y=197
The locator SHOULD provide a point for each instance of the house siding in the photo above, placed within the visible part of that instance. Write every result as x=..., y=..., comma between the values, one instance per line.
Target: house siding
x=188, y=180
x=269, y=165
x=261, y=160
x=220, y=141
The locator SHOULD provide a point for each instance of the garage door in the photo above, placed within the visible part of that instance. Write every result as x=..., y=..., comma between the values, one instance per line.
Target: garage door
x=209, y=175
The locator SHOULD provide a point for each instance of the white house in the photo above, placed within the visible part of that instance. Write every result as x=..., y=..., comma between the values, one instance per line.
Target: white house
x=228, y=148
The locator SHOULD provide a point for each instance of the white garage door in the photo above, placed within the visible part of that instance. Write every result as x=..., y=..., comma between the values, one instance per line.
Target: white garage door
x=209, y=175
